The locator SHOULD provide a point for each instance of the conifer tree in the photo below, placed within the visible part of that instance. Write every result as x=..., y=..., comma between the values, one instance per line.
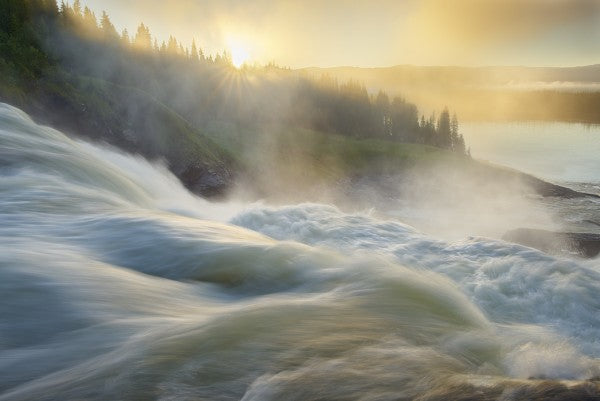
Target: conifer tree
x=125, y=40
x=172, y=46
x=382, y=114
x=77, y=9
x=143, y=39
x=194, y=51
x=443, y=131
x=108, y=29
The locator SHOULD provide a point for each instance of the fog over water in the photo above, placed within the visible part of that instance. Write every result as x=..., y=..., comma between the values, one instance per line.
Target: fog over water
x=117, y=283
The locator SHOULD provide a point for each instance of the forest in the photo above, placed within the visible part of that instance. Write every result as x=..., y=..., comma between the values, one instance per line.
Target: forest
x=74, y=71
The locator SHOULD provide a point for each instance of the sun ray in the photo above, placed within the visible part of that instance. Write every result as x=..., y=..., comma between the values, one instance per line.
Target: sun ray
x=240, y=52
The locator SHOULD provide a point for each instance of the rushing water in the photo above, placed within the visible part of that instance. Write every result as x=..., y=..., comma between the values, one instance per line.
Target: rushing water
x=116, y=283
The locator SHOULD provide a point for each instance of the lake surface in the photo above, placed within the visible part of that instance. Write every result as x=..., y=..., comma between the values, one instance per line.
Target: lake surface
x=558, y=152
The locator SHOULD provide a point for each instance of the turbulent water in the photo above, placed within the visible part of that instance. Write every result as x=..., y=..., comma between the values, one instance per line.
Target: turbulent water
x=116, y=283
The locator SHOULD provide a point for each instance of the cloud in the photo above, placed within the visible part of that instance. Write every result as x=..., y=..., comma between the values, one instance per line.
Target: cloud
x=494, y=21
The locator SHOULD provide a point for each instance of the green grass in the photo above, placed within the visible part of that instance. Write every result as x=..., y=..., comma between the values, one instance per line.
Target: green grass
x=307, y=157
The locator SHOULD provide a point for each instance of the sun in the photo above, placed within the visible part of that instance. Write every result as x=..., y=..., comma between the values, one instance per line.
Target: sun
x=239, y=54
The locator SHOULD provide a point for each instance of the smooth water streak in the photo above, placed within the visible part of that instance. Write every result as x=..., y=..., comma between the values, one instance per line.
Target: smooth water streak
x=117, y=283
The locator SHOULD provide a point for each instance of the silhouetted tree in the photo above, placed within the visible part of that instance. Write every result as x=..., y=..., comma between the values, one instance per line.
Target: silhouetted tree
x=444, y=139
x=194, y=52
x=172, y=46
x=89, y=22
x=458, y=142
x=405, y=120
x=125, y=40
x=77, y=13
x=143, y=39
x=383, y=115
x=108, y=29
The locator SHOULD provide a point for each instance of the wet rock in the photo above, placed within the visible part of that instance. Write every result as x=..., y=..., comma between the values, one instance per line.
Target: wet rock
x=585, y=245
x=207, y=181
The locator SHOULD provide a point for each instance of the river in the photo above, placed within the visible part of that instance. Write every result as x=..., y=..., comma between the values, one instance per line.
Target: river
x=117, y=283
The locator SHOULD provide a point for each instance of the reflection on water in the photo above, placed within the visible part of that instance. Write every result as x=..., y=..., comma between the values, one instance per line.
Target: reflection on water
x=558, y=152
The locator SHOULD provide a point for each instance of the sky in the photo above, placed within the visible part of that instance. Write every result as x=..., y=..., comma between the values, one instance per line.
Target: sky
x=375, y=33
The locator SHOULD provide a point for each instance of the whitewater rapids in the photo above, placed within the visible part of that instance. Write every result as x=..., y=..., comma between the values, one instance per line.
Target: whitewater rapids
x=116, y=283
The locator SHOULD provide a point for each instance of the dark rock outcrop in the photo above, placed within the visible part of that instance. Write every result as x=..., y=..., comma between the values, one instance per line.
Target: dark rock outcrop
x=547, y=189
x=585, y=245
x=208, y=181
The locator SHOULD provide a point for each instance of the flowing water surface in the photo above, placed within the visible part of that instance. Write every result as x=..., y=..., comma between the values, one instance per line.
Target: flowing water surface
x=117, y=283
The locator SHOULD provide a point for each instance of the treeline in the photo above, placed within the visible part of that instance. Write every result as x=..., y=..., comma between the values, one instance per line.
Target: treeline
x=85, y=22
x=347, y=108
x=50, y=49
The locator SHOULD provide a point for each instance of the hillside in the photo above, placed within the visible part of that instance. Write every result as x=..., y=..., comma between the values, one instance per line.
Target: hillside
x=264, y=129
x=70, y=71
x=286, y=164
x=39, y=82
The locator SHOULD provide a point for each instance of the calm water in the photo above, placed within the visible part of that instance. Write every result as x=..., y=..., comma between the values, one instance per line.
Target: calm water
x=558, y=152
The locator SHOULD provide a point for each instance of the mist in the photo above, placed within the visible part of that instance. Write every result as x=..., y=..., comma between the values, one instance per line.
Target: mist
x=133, y=286
x=180, y=222
x=265, y=125
x=567, y=94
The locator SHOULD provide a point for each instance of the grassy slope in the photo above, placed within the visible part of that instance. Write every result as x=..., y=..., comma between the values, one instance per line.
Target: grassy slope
x=297, y=164
x=290, y=159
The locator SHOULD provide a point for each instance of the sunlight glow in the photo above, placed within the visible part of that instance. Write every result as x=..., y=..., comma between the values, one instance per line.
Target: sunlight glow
x=239, y=54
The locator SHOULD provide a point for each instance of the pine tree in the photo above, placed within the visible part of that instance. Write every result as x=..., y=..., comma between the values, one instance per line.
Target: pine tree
x=51, y=7
x=125, y=40
x=143, y=39
x=108, y=29
x=194, y=52
x=64, y=10
x=89, y=18
x=382, y=112
x=444, y=139
x=172, y=46
x=77, y=9
x=458, y=142
x=454, y=132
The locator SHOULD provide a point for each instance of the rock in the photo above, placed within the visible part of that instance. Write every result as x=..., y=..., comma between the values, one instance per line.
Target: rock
x=547, y=189
x=585, y=245
x=206, y=181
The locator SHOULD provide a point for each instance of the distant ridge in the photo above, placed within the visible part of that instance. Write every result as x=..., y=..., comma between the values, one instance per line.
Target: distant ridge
x=494, y=93
x=489, y=74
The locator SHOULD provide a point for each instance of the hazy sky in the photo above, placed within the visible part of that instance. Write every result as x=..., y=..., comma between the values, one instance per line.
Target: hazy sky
x=299, y=33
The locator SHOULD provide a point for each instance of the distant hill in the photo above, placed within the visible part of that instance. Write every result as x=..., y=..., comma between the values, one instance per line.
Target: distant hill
x=409, y=75
x=487, y=93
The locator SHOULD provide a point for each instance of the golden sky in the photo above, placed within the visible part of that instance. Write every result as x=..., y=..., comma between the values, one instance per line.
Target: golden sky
x=368, y=33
